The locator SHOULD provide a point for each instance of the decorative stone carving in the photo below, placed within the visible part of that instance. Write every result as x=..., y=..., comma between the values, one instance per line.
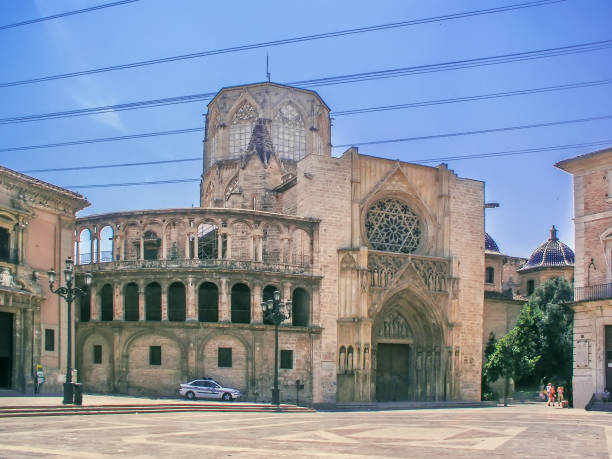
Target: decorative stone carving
x=232, y=187
x=6, y=278
x=394, y=327
x=433, y=272
x=245, y=113
x=393, y=227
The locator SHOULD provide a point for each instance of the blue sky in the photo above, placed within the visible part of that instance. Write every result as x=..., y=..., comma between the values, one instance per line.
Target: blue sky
x=532, y=194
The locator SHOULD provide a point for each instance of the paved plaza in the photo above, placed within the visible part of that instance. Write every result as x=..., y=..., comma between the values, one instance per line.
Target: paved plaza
x=517, y=431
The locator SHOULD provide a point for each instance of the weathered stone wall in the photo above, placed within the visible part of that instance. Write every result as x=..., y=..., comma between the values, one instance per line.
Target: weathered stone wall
x=467, y=251
x=190, y=351
x=324, y=192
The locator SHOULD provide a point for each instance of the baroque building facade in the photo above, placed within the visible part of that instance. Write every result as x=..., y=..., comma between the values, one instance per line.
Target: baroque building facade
x=36, y=233
x=592, y=372
x=383, y=261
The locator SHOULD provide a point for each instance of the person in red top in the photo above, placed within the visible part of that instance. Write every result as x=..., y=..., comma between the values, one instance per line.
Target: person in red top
x=551, y=396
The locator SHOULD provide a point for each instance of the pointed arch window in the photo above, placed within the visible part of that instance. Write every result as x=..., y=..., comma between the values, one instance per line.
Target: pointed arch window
x=240, y=129
x=289, y=133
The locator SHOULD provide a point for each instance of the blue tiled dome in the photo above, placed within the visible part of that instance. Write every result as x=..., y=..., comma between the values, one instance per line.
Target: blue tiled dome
x=490, y=244
x=551, y=254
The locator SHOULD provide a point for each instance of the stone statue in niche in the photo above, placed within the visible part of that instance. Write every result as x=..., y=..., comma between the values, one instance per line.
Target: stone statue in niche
x=394, y=327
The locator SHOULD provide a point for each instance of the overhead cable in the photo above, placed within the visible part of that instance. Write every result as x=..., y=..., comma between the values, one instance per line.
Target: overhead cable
x=418, y=161
x=67, y=13
x=285, y=41
x=370, y=142
x=207, y=96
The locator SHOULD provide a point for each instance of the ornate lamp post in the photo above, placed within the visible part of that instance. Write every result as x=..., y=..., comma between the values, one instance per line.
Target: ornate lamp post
x=274, y=310
x=69, y=294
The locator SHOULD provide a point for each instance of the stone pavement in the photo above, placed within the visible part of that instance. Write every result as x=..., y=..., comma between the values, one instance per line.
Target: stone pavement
x=516, y=431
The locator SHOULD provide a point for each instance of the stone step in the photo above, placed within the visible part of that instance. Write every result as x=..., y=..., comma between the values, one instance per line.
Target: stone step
x=601, y=406
x=66, y=410
x=411, y=405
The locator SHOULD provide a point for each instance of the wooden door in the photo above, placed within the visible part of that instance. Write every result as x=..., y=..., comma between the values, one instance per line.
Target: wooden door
x=392, y=372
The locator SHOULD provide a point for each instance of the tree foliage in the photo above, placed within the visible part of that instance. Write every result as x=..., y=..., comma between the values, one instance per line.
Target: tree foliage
x=540, y=345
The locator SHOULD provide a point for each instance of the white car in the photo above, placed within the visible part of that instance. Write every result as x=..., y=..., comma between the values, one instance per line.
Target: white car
x=208, y=388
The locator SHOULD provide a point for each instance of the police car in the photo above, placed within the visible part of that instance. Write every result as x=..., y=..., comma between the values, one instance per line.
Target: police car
x=208, y=388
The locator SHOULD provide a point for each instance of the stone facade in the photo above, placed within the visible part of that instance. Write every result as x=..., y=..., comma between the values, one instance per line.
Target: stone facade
x=36, y=233
x=383, y=260
x=593, y=274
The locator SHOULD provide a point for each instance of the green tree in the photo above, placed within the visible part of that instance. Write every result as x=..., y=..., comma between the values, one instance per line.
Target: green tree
x=516, y=353
x=540, y=345
x=556, y=331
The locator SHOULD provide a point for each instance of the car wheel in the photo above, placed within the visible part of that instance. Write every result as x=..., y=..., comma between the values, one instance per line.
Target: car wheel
x=190, y=395
x=227, y=397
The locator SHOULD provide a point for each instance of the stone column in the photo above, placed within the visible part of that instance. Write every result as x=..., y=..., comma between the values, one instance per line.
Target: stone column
x=195, y=246
x=141, y=301
x=224, y=302
x=164, y=300
x=186, y=246
x=92, y=243
x=118, y=313
x=256, y=312
x=164, y=247
x=99, y=254
x=286, y=295
x=192, y=305
x=229, y=246
x=219, y=245
x=94, y=303
x=142, y=247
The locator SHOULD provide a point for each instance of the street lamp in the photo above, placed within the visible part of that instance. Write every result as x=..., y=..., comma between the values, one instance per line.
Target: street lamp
x=274, y=311
x=69, y=294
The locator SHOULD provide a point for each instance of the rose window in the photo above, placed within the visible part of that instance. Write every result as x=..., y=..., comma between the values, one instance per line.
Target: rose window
x=393, y=227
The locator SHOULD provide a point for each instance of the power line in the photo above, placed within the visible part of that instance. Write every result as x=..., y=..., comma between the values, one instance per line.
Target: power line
x=108, y=166
x=67, y=13
x=207, y=96
x=452, y=100
x=372, y=142
x=418, y=161
x=103, y=139
x=480, y=131
x=460, y=64
x=284, y=41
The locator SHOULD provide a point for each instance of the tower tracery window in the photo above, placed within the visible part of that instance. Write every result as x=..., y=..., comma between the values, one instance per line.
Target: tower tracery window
x=288, y=133
x=240, y=129
x=393, y=227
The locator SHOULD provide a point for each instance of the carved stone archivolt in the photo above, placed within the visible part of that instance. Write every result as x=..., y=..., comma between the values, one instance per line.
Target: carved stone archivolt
x=383, y=268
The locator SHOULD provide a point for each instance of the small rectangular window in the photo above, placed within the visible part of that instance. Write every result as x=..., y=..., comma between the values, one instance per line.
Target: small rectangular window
x=286, y=360
x=49, y=340
x=225, y=357
x=97, y=353
x=155, y=355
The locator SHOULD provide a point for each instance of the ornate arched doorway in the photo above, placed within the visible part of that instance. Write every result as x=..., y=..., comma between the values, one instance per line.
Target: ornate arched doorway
x=408, y=343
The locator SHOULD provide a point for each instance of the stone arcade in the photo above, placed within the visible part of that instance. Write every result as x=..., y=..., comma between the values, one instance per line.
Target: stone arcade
x=383, y=260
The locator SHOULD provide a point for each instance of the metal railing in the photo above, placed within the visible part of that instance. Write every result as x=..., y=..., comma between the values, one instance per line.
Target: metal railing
x=593, y=292
x=245, y=265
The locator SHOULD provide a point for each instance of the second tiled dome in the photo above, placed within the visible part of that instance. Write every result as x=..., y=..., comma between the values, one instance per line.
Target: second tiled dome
x=550, y=254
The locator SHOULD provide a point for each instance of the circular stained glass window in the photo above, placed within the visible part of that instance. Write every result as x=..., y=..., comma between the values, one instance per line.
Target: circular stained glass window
x=393, y=227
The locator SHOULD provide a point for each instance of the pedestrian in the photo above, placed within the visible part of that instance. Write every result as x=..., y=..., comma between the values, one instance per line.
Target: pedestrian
x=551, y=396
x=548, y=391
x=561, y=395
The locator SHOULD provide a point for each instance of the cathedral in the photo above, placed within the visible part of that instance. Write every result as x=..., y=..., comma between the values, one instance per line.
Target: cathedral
x=384, y=262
